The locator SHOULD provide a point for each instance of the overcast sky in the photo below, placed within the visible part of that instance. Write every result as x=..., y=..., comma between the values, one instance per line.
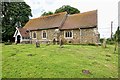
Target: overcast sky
x=107, y=11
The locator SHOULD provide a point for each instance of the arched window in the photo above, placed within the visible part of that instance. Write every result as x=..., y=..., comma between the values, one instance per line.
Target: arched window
x=34, y=35
x=44, y=34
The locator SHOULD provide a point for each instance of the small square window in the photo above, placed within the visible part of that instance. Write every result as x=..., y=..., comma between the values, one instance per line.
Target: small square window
x=68, y=34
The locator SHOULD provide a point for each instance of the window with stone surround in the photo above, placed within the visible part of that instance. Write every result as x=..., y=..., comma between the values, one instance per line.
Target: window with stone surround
x=68, y=34
x=44, y=34
x=34, y=35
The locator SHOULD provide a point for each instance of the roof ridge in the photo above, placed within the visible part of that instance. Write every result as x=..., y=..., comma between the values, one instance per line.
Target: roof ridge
x=49, y=15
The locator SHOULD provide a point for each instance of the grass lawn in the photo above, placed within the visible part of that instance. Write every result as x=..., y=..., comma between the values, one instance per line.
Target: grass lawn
x=26, y=61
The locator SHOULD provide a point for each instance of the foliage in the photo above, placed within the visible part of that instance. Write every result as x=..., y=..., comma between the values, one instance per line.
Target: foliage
x=55, y=62
x=13, y=13
x=47, y=13
x=110, y=41
x=117, y=35
x=68, y=9
x=101, y=40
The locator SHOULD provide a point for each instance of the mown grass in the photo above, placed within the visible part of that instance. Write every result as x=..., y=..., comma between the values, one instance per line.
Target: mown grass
x=27, y=61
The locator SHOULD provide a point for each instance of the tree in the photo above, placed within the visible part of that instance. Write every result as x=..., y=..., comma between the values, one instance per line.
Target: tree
x=68, y=9
x=117, y=38
x=117, y=35
x=13, y=13
x=47, y=13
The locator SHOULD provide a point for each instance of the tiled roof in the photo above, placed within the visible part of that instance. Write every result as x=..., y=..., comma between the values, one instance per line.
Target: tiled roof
x=81, y=20
x=64, y=21
x=45, y=22
x=23, y=32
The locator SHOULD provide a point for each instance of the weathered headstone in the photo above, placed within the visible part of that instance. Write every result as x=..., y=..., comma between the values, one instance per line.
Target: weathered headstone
x=104, y=43
x=54, y=41
x=37, y=43
x=61, y=43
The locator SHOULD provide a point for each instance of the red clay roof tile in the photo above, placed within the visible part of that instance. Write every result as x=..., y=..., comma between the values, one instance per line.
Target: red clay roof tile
x=46, y=22
x=23, y=32
x=81, y=20
x=64, y=21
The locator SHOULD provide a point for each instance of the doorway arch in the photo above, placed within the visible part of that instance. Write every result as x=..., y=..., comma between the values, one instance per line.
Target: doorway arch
x=18, y=39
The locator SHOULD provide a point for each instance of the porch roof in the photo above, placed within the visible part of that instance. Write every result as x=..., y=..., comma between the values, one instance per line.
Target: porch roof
x=23, y=32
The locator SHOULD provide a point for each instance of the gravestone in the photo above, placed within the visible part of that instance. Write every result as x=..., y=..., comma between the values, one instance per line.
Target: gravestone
x=54, y=41
x=37, y=44
x=61, y=43
x=86, y=72
x=104, y=43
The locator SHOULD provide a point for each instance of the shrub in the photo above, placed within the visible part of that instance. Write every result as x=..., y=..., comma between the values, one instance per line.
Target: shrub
x=101, y=40
x=110, y=41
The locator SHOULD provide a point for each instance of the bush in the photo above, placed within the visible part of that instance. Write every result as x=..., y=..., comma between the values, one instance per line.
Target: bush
x=110, y=41
x=101, y=40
